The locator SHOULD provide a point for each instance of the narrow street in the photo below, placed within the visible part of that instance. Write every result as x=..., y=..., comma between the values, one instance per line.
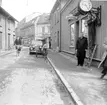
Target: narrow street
x=27, y=80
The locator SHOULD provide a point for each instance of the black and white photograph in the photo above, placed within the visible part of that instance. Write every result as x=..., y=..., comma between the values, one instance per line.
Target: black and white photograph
x=53, y=52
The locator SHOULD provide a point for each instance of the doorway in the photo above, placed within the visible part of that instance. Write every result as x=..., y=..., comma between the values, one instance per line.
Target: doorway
x=58, y=39
x=89, y=31
x=8, y=41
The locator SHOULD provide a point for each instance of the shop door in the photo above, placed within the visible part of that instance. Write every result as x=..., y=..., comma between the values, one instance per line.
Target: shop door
x=89, y=32
x=85, y=30
x=0, y=40
x=92, y=35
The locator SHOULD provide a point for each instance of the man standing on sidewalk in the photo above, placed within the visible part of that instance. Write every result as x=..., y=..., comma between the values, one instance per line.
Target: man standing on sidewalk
x=81, y=47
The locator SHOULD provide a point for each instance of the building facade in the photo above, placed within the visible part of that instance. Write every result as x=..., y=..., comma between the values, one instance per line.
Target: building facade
x=55, y=23
x=42, y=26
x=7, y=30
x=27, y=32
x=72, y=23
x=36, y=27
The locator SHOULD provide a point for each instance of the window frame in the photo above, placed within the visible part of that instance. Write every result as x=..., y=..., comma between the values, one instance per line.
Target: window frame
x=84, y=31
x=72, y=36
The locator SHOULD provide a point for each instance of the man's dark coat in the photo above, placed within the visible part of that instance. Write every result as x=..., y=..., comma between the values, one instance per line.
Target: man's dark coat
x=18, y=42
x=81, y=46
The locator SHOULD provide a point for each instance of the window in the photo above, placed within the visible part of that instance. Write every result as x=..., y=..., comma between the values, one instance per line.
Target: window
x=48, y=28
x=84, y=28
x=72, y=35
x=43, y=29
x=57, y=14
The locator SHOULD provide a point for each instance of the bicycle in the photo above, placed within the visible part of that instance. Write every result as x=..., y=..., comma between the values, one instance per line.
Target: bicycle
x=18, y=49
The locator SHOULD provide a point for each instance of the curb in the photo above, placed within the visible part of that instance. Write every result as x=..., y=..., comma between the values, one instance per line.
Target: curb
x=73, y=95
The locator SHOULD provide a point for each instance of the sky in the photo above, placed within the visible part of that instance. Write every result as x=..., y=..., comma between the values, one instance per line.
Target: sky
x=21, y=8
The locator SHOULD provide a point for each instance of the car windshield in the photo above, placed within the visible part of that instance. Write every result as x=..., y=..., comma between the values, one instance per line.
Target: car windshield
x=37, y=43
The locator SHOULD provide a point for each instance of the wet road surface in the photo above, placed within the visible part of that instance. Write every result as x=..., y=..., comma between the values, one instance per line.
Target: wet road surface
x=27, y=80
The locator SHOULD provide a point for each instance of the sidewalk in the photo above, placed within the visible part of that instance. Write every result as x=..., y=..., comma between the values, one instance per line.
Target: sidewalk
x=3, y=53
x=84, y=84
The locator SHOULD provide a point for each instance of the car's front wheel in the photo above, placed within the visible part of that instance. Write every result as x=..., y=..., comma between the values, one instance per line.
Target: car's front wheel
x=30, y=52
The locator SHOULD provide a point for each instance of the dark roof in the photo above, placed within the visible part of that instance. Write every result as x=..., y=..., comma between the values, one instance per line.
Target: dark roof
x=4, y=12
x=44, y=19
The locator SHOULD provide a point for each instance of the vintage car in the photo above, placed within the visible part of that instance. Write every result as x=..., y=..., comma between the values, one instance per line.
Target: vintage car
x=34, y=46
x=42, y=50
x=39, y=47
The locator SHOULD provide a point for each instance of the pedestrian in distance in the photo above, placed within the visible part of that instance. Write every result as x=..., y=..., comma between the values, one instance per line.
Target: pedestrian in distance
x=104, y=62
x=45, y=49
x=18, y=43
x=50, y=43
x=81, y=47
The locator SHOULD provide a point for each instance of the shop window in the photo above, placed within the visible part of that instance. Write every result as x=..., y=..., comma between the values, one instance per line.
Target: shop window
x=84, y=28
x=72, y=35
